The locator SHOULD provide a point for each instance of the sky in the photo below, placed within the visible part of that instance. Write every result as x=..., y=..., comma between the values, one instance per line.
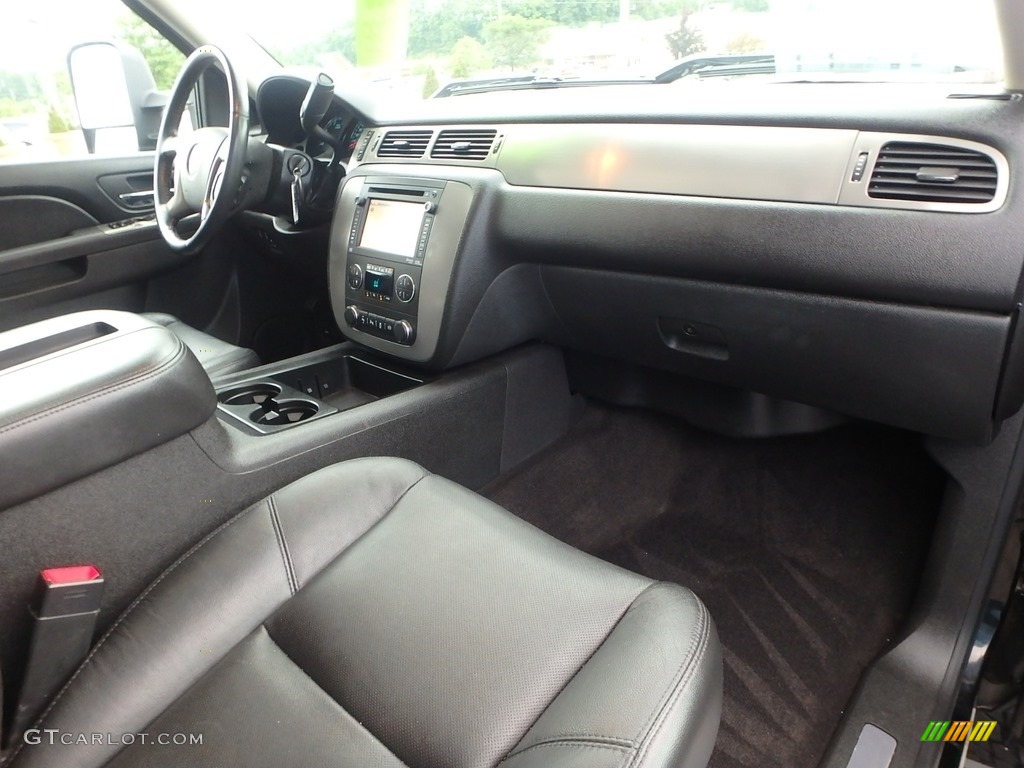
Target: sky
x=31, y=41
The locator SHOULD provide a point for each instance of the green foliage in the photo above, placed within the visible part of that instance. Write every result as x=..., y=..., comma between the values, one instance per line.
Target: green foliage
x=662, y=9
x=163, y=58
x=468, y=58
x=745, y=42
x=573, y=13
x=576, y=13
x=56, y=122
x=756, y=6
x=514, y=41
x=13, y=107
x=685, y=40
x=430, y=83
x=18, y=86
x=62, y=83
x=436, y=30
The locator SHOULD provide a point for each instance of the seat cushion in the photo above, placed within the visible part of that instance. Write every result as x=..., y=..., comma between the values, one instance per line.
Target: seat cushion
x=217, y=357
x=372, y=614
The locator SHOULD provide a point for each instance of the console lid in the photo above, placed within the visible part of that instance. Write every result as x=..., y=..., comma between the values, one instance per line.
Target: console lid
x=84, y=391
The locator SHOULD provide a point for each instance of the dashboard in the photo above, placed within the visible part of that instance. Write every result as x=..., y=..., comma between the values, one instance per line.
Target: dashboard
x=851, y=247
x=278, y=100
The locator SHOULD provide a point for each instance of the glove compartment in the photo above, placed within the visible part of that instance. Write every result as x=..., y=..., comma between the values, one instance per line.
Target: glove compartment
x=929, y=369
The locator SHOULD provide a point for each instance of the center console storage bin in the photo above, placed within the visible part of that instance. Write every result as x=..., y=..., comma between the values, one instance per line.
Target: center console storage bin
x=348, y=381
x=84, y=391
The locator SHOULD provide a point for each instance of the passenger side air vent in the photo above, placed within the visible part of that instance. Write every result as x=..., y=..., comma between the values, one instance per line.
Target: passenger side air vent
x=464, y=144
x=933, y=173
x=404, y=144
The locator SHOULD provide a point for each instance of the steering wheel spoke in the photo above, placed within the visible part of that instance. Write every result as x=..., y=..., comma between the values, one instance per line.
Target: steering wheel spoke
x=171, y=146
x=177, y=207
x=201, y=171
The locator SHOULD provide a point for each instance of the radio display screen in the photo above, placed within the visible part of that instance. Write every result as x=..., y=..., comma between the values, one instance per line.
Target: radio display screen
x=392, y=226
x=380, y=282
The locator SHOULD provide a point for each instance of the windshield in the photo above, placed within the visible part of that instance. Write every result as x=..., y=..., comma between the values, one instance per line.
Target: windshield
x=424, y=48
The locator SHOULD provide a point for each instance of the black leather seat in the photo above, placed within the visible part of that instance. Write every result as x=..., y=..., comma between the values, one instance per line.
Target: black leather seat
x=372, y=614
x=217, y=357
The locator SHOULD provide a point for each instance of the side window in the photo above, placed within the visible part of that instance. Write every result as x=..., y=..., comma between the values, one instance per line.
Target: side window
x=110, y=105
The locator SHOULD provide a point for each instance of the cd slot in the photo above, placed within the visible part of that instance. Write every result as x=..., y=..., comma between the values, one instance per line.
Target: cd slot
x=398, y=191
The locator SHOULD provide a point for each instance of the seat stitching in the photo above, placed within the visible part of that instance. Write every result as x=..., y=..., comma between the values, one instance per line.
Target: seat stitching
x=695, y=654
x=577, y=736
x=573, y=677
x=5, y=760
x=688, y=657
x=282, y=544
x=102, y=393
x=588, y=738
x=121, y=619
x=379, y=520
x=231, y=357
x=577, y=744
x=699, y=655
x=298, y=666
x=574, y=736
x=359, y=538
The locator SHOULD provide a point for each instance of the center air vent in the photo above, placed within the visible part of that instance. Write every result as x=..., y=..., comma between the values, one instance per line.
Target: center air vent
x=465, y=144
x=404, y=144
x=933, y=173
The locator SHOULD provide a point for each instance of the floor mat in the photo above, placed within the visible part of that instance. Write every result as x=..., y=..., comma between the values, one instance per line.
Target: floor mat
x=806, y=551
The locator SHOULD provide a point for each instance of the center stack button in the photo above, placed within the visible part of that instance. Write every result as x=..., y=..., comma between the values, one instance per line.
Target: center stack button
x=404, y=332
x=405, y=288
x=355, y=277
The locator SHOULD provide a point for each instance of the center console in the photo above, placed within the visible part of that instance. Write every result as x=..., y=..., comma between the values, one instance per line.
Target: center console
x=82, y=392
x=394, y=242
x=293, y=392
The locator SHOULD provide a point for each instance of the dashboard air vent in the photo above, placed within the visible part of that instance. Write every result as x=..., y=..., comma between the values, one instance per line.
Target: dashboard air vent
x=404, y=143
x=464, y=144
x=933, y=173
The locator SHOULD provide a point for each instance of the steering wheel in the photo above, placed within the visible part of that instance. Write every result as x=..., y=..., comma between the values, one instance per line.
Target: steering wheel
x=201, y=172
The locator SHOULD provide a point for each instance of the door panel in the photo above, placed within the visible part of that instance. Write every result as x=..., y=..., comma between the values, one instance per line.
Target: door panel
x=36, y=279
x=132, y=192
x=77, y=181
x=57, y=248
x=29, y=219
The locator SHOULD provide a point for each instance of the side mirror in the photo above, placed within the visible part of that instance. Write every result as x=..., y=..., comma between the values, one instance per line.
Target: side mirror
x=114, y=88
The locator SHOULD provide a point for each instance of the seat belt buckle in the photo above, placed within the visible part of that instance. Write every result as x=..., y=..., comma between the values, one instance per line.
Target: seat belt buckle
x=66, y=592
x=64, y=610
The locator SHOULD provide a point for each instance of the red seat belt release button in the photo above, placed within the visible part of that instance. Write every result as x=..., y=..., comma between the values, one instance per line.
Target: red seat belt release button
x=68, y=591
x=64, y=610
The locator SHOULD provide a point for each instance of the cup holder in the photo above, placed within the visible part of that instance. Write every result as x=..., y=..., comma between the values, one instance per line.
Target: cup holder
x=250, y=394
x=285, y=412
x=267, y=405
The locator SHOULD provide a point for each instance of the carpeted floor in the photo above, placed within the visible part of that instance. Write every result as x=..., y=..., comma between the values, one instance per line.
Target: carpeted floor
x=806, y=550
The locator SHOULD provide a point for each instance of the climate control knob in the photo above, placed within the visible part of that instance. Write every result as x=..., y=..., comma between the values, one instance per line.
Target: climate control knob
x=352, y=315
x=355, y=277
x=404, y=332
x=405, y=288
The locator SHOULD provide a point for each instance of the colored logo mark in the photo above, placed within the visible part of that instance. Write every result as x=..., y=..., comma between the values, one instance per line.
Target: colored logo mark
x=958, y=730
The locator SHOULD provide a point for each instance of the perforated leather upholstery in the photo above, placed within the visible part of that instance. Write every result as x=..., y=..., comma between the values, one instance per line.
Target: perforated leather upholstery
x=373, y=614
